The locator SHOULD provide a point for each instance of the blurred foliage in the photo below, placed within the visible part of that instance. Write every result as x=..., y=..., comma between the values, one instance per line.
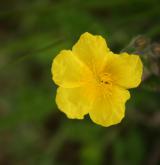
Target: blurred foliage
x=33, y=130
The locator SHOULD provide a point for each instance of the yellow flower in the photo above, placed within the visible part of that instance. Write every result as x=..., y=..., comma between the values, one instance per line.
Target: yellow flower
x=93, y=80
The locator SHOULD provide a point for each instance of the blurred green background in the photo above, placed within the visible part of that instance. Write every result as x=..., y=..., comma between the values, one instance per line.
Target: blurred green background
x=32, y=130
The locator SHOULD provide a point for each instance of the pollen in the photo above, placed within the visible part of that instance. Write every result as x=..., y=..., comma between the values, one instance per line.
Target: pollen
x=105, y=78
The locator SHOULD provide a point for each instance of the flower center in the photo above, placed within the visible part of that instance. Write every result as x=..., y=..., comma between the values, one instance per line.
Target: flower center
x=105, y=78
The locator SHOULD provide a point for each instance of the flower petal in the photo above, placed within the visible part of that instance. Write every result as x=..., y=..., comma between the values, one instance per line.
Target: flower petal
x=109, y=107
x=74, y=102
x=68, y=71
x=126, y=70
x=92, y=50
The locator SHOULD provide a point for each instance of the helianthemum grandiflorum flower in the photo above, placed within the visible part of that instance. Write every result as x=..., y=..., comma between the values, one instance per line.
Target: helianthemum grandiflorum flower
x=93, y=80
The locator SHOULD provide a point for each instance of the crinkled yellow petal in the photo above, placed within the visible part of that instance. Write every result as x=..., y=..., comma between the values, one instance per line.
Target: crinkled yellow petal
x=109, y=108
x=74, y=102
x=126, y=70
x=68, y=71
x=92, y=50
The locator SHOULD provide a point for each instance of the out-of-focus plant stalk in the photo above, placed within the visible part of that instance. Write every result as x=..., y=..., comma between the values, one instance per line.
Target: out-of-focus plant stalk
x=150, y=54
